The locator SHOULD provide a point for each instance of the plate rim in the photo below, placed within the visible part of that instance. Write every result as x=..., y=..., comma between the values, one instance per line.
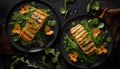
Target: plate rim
x=64, y=52
x=7, y=26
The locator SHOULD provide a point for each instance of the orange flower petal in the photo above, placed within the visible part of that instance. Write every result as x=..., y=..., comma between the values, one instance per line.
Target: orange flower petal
x=48, y=30
x=96, y=32
x=24, y=9
x=73, y=56
x=101, y=50
x=16, y=29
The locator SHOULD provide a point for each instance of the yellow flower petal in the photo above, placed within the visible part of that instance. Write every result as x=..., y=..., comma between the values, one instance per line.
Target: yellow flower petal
x=16, y=29
x=73, y=56
x=48, y=30
x=24, y=9
x=96, y=32
x=101, y=50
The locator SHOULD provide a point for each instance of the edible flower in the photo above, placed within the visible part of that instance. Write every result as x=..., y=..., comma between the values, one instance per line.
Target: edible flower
x=48, y=30
x=101, y=50
x=24, y=9
x=96, y=32
x=16, y=29
x=73, y=56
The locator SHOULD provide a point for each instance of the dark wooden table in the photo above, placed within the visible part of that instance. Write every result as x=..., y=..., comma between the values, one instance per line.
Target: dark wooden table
x=7, y=50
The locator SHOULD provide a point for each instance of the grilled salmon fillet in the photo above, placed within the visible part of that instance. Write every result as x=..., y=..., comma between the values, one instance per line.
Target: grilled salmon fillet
x=83, y=39
x=34, y=23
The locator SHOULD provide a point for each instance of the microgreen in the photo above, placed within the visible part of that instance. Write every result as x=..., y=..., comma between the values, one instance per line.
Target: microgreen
x=64, y=9
x=93, y=5
x=101, y=25
x=42, y=60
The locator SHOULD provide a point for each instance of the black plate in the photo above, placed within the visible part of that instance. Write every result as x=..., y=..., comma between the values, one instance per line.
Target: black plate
x=49, y=40
x=86, y=64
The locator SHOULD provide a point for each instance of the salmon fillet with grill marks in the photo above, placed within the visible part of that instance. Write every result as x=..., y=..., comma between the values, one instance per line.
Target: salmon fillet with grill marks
x=83, y=39
x=34, y=23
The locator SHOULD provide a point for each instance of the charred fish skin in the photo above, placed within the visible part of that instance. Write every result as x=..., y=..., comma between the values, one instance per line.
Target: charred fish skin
x=82, y=38
x=35, y=22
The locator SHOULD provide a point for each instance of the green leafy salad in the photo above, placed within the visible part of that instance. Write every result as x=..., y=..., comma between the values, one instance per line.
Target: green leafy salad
x=96, y=32
x=21, y=17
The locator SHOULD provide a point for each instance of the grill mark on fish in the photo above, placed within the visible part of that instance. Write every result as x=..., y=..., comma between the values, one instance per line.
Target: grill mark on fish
x=83, y=39
x=27, y=35
x=33, y=25
x=74, y=29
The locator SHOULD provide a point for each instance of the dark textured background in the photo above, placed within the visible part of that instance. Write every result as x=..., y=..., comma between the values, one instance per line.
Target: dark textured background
x=6, y=50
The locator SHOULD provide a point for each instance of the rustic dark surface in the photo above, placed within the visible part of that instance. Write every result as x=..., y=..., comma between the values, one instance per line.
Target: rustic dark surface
x=112, y=19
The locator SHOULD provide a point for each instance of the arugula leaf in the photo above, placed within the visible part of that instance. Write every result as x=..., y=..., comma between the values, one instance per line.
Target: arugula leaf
x=50, y=51
x=48, y=11
x=51, y=22
x=96, y=5
x=54, y=59
x=16, y=37
x=57, y=54
x=101, y=25
x=64, y=10
x=12, y=65
x=17, y=16
x=71, y=42
x=95, y=21
x=43, y=59
x=93, y=5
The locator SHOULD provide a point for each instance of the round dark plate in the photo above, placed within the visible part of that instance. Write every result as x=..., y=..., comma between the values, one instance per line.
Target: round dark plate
x=33, y=47
x=80, y=64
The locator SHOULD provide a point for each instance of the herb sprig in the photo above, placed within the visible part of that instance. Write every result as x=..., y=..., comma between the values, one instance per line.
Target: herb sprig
x=22, y=19
x=64, y=9
x=50, y=51
x=93, y=5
